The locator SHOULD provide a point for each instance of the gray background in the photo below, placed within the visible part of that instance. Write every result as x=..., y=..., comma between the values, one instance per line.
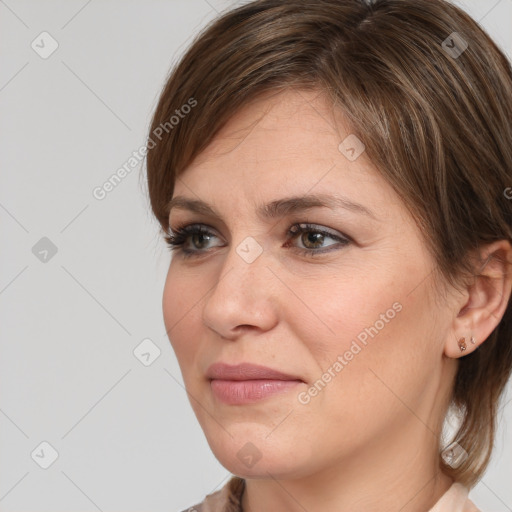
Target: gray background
x=125, y=433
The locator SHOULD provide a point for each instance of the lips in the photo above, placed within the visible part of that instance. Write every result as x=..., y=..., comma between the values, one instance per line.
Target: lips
x=246, y=371
x=246, y=383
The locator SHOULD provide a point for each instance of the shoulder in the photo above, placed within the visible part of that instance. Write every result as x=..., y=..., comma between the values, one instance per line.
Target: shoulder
x=226, y=499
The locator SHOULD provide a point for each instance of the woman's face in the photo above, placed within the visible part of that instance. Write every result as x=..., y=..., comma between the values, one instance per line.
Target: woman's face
x=353, y=322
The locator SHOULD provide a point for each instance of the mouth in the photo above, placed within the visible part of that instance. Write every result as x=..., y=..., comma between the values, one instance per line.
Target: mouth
x=248, y=383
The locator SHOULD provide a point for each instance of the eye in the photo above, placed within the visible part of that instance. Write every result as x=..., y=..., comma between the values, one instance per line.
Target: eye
x=312, y=237
x=196, y=233
x=192, y=239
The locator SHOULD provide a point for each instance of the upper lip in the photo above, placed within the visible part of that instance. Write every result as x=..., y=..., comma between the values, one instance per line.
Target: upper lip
x=246, y=371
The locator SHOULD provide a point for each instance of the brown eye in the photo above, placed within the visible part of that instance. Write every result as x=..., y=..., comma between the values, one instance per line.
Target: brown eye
x=199, y=240
x=313, y=239
x=190, y=240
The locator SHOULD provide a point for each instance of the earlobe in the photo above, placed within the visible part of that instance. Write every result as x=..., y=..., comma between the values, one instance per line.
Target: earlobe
x=462, y=343
x=486, y=300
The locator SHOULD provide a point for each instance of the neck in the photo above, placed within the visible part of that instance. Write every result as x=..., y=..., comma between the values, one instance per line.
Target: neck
x=382, y=477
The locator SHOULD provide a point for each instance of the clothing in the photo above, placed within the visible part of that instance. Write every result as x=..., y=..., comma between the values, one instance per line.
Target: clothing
x=455, y=499
x=228, y=499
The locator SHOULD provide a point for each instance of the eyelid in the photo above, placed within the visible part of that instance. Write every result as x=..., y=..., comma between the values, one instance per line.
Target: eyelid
x=300, y=227
x=176, y=240
x=192, y=229
x=297, y=229
x=181, y=225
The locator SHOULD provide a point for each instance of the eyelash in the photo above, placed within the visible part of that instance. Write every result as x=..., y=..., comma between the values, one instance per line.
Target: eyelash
x=177, y=239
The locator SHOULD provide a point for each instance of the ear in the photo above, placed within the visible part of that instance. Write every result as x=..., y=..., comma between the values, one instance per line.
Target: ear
x=484, y=301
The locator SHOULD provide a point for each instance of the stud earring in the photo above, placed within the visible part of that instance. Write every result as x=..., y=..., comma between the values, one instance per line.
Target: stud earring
x=473, y=340
x=462, y=344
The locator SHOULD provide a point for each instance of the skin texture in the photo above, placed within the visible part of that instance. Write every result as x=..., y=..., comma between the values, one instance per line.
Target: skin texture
x=369, y=439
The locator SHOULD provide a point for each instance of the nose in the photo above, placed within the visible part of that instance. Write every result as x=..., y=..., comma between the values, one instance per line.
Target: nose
x=245, y=295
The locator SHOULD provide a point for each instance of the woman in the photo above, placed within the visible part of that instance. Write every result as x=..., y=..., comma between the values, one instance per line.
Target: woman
x=332, y=178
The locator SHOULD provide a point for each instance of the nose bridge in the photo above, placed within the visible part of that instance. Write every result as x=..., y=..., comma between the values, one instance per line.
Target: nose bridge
x=241, y=295
x=247, y=260
x=245, y=268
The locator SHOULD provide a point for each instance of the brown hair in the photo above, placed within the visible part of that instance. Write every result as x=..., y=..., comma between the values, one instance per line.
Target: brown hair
x=437, y=124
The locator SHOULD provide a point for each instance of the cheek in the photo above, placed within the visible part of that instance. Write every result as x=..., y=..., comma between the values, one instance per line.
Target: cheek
x=379, y=303
x=355, y=310
x=379, y=344
x=181, y=305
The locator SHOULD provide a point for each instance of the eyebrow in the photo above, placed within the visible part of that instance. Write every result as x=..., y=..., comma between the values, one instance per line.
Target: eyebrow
x=278, y=208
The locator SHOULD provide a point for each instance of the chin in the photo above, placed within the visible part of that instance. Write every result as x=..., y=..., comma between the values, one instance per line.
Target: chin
x=250, y=453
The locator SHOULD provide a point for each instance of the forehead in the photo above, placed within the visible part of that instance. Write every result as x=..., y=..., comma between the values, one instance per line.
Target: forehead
x=282, y=145
x=280, y=125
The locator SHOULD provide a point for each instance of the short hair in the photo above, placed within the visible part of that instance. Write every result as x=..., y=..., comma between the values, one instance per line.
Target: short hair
x=430, y=95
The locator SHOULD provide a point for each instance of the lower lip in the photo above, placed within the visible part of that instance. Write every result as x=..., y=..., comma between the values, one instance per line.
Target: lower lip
x=237, y=392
